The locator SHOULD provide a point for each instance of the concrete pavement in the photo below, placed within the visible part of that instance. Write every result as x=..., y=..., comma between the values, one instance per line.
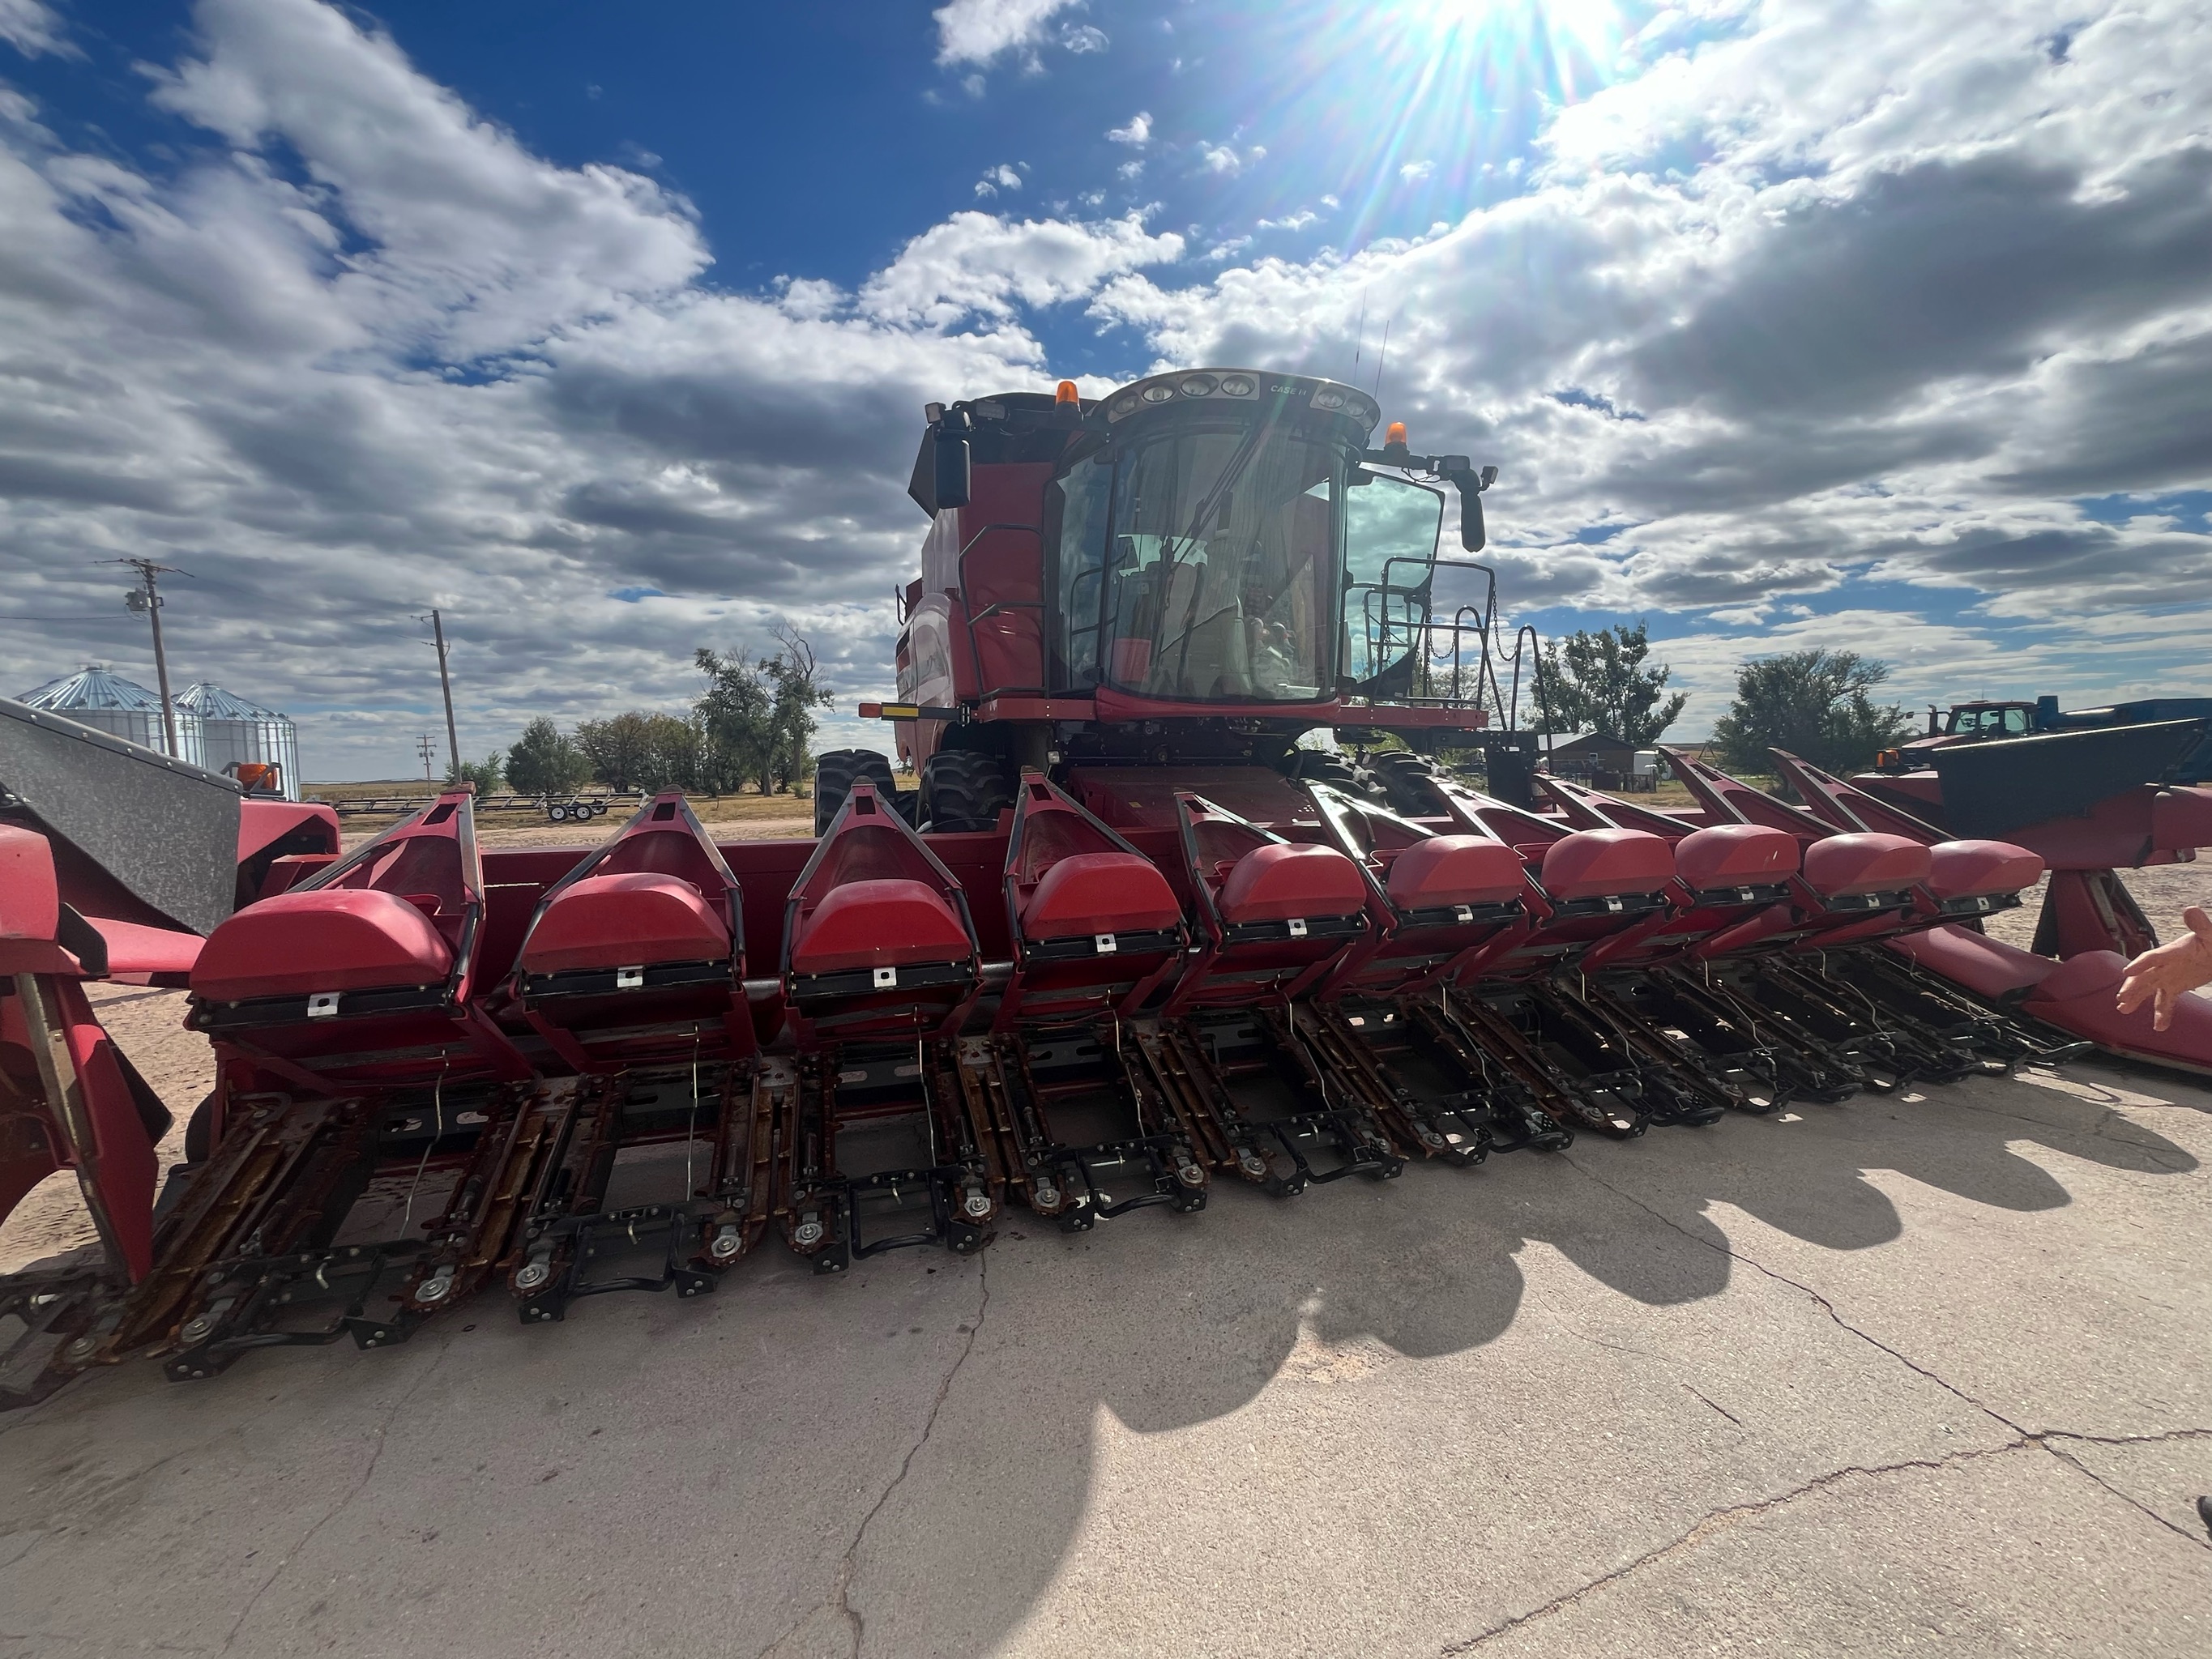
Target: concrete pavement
x=1901, y=1376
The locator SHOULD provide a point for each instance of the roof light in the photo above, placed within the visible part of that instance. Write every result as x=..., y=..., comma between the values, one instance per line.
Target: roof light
x=1326, y=399
x=1198, y=386
x=1123, y=405
x=1158, y=393
x=1066, y=393
x=1236, y=386
x=1393, y=435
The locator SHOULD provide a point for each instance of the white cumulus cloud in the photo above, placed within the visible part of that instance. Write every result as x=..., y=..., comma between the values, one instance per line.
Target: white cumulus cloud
x=975, y=265
x=980, y=31
x=1767, y=318
x=1137, y=134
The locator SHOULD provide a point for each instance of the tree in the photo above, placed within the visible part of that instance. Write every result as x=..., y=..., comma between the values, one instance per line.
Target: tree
x=671, y=745
x=1597, y=681
x=756, y=716
x=735, y=716
x=641, y=750
x=483, y=776
x=543, y=762
x=1814, y=703
x=794, y=674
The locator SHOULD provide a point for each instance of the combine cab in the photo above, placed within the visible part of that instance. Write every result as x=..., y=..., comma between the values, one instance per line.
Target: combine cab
x=1127, y=938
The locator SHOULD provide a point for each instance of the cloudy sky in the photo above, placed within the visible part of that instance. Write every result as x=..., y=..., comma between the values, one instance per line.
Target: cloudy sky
x=606, y=329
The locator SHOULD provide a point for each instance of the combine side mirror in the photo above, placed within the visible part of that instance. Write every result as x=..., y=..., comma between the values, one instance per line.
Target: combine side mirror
x=953, y=481
x=1472, y=534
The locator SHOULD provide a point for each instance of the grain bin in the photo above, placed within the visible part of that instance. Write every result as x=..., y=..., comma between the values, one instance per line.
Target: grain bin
x=235, y=732
x=103, y=699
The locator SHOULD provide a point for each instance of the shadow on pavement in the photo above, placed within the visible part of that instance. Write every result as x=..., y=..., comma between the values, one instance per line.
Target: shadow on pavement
x=897, y=1462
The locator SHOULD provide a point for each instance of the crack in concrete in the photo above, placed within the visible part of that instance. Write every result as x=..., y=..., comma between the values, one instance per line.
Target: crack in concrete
x=383, y=1430
x=2079, y=1467
x=1557, y=1319
x=1718, y=1520
x=1822, y=1301
x=1665, y=1361
x=846, y=1566
x=1717, y=1407
x=2121, y=1439
x=2153, y=1149
x=2023, y=1438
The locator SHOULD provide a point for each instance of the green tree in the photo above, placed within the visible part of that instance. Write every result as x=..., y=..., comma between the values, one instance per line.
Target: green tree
x=735, y=716
x=795, y=676
x=1816, y=704
x=757, y=715
x=545, y=761
x=1597, y=681
x=484, y=776
x=641, y=750
x=671, y=746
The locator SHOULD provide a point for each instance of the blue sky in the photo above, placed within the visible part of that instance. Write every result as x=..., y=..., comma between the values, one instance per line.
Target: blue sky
x=605, y=329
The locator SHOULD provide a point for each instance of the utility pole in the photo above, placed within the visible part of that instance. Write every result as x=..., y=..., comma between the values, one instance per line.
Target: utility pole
x=147, y=598
x=426, y=746
x=445, y=685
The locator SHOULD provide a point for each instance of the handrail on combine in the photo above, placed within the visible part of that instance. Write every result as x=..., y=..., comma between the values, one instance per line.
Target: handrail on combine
x=1438, y=641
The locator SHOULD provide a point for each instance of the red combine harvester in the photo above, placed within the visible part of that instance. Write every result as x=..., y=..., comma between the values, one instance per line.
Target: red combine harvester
x=1127, y=939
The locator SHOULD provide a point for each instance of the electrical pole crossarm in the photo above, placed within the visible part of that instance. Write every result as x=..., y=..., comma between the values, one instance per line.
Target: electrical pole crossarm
x=147, y=598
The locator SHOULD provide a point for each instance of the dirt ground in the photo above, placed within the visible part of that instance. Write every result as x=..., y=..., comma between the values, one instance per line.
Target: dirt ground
x=733, y=817
x=2163, y=890
x=148, y=1026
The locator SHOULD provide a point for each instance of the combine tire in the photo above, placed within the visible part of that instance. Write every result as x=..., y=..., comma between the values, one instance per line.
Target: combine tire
x=1408, y=782
x=835, y=773
x=1319, y=766
x=200, y=1131
x=964, y=791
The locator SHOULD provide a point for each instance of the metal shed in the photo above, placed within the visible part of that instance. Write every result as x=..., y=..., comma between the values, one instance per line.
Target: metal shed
x=103, y=699
x=233, y=730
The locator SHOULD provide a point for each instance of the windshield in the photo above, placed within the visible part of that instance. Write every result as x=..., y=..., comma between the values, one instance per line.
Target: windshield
x=1201, y=566
x=1390, y=528
x=1991, y=722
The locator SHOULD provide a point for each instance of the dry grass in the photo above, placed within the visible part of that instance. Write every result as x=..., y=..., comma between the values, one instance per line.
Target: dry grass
x=749, y=816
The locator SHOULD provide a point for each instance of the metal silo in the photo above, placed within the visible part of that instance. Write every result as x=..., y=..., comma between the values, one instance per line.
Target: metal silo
x=234, y=731
x=104, y=700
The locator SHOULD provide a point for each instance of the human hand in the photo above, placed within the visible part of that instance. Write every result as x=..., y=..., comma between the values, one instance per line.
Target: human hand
x=2164, y=973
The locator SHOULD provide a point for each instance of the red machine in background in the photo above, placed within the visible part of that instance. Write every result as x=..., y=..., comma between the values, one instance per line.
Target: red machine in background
x=1129, y=937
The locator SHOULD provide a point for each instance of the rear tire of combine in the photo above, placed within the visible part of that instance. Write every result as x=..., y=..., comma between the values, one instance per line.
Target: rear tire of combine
x=1321, y=765
x=837, y=770
x=964, y=792
x=200, y=1131
x=1409, y=782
